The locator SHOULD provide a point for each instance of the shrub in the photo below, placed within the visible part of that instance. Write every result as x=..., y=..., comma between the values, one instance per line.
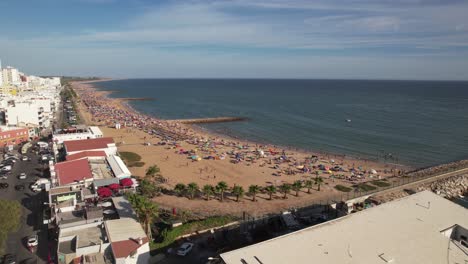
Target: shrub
x=364, y=187
x=170, y=235
x=342, y=188
x=132, y=159
x=381, y=183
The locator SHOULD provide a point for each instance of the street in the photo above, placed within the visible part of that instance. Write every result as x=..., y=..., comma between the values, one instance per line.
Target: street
x=32, y=204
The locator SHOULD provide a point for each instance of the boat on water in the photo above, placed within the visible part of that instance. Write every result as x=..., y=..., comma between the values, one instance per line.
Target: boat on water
x=348, y=120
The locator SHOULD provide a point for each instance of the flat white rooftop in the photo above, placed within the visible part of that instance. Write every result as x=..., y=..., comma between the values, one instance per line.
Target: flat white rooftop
x=124, y=229
x=408, y=230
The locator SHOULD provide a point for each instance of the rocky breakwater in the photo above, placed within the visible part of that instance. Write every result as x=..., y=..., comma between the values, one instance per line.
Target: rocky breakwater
x=451, y=187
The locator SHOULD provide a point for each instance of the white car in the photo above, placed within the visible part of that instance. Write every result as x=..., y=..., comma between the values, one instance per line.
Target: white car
x=25, y=158
x=185, y=249
x=35, y=188
x=22, y=176
x=6, y=168
x=32, y=241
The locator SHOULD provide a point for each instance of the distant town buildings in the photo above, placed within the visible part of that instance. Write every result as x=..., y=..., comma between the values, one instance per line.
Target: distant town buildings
x=27, y=102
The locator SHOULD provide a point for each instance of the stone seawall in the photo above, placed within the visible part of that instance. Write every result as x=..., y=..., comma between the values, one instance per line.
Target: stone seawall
x=448, y=188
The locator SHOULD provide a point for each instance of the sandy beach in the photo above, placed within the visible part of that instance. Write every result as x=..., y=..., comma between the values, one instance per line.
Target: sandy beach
x=187, y=154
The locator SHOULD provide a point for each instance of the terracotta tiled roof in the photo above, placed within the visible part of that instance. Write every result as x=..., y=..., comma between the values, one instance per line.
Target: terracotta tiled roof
x=123, y=249
x=87, y=144
x=85, y=154
x=71, y=171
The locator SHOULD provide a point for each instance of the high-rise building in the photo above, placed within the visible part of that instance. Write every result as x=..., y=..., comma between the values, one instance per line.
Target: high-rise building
x=11, y=75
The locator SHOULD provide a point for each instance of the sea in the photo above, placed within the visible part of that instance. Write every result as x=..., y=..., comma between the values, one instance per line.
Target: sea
x=413, y=123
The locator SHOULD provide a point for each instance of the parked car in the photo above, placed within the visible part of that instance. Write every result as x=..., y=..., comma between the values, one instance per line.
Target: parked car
x=32, y=241
x=6, y=168
x=3, y=185
x=22, y=176
x=184, y=249
x=25, y=158
x=7, y=162
x=19, y=187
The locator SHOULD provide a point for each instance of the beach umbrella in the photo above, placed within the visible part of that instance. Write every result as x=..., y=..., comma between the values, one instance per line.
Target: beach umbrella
x=114, y=186
x=104, y=192
x=127, y=182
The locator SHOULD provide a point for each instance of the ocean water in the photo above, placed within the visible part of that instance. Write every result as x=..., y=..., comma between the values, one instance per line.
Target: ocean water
x=415, y=123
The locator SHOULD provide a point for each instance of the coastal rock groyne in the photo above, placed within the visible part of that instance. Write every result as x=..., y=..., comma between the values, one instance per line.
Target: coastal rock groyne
x=451, y=187
x=209, y=120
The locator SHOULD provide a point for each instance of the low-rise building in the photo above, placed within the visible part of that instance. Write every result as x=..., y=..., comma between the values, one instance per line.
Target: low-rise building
x=74, y=172
x=105, y=144
x=129, y=243
x=421, y=228
x=12, y=136
x=76, y=133
x=104, y=233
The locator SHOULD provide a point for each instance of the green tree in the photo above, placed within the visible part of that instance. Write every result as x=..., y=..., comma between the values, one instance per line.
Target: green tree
x=296, y=186
x=221, y=187
x=253, y=190
x=152, y=171
x=308, y=184
x=192, y=188
x=285, y=189
x=238, y=191
x=179, y=189
x=146, y=211
x=149, y=189
x=270, y=189
x=208, y=190
x=318, y=180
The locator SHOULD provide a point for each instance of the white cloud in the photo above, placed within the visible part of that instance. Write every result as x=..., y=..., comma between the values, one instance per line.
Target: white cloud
x=139, y=46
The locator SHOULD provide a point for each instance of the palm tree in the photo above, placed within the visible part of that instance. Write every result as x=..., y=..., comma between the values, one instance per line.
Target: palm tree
x=270, y=189
x=318, y=180
x=146, y=211
x=180, y=189
x=253, y=190
x=285, y=189
x=296, y=186
x=192, y=188
x=149, y=189
x=238, y=191
x=221, y=187
x=308, y=184
x=152, y=171
x=208, y=190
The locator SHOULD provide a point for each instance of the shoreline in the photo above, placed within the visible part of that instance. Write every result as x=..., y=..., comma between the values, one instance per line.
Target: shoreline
x=173, y=157
x=211, y=133
x=177, y=166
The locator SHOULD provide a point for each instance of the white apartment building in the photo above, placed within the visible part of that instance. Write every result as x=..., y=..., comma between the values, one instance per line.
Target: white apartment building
x=28, y=113
x=10, y=76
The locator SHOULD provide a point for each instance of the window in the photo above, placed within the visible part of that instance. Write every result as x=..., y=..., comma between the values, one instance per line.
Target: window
x=464, y=243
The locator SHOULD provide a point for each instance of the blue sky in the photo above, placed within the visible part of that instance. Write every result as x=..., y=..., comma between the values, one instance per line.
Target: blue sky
x=386, y=39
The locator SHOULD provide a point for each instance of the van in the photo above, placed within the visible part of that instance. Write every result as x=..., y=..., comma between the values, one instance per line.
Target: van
x=40, y=184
